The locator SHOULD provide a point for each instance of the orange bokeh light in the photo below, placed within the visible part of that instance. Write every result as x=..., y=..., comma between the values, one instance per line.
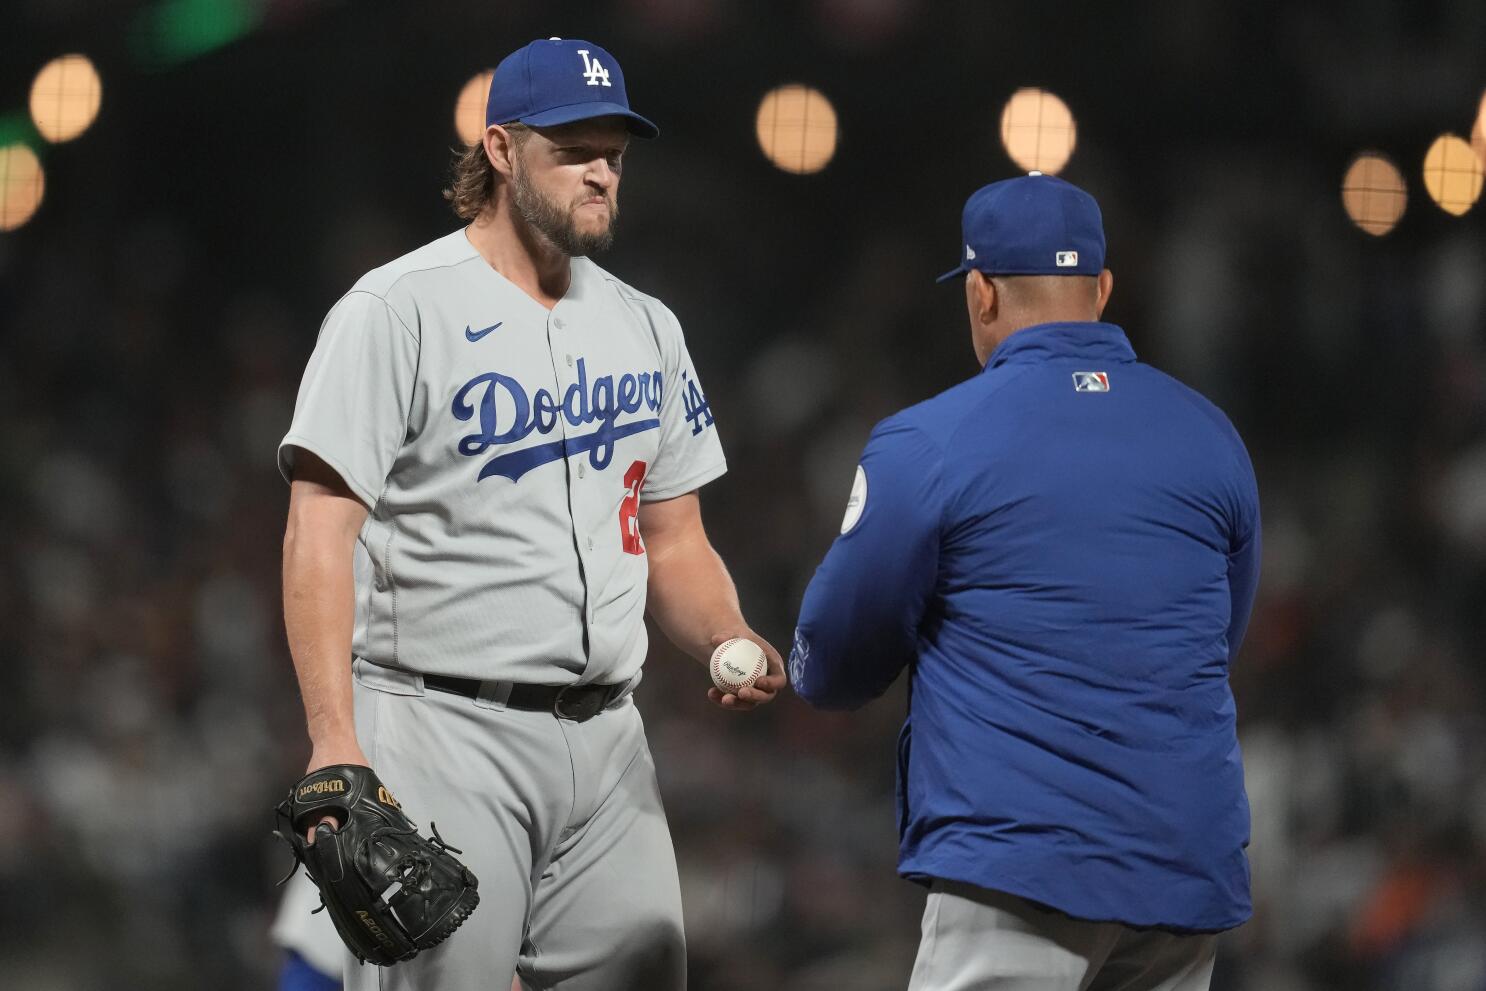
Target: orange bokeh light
x=1038, y=131
x=796, y=128
x=22, y=185
x=65, y=97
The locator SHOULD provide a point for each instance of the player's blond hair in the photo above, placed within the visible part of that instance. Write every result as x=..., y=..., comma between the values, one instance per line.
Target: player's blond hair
x=474, y=180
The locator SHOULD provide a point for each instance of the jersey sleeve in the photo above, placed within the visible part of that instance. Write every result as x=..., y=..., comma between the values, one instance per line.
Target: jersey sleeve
x=352, y=409
x=859, y=621
x=690, y=451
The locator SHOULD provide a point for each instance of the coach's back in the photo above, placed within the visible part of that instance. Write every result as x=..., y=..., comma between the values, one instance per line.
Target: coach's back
x=1064, y=551
x=1072, y=675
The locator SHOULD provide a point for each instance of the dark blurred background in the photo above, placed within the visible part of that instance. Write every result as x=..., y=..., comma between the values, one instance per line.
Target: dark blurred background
x=252, y=158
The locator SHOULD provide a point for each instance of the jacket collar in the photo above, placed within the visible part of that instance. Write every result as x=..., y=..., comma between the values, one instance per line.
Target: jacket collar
x=1045, y=341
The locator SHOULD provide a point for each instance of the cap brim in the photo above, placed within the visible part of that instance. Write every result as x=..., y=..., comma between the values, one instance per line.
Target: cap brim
x=953, y=273
x=638, y=126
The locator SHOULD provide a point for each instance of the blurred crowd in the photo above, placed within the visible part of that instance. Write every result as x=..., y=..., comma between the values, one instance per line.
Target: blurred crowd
x=154, y=321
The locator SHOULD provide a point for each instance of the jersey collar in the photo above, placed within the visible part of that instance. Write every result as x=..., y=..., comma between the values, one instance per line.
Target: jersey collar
x=1045, y=341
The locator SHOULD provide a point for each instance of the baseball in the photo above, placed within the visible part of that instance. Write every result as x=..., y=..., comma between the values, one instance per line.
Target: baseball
x=737, y=664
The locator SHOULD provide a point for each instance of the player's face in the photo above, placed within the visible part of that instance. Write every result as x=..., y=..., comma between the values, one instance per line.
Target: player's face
x=565, y=183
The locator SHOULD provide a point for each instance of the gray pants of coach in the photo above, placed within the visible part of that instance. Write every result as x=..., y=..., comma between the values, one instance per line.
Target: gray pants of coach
x=979, y=940
x=560, y=821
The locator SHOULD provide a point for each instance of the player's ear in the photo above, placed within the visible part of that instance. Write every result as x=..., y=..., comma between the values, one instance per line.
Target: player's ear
x=500, y=148
x=1106, y=286
x=981, y=296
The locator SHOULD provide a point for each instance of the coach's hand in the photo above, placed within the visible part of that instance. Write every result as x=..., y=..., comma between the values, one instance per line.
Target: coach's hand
x=762, y=690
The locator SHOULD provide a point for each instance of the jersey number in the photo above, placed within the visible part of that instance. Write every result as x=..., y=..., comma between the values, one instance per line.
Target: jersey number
x=629, y=510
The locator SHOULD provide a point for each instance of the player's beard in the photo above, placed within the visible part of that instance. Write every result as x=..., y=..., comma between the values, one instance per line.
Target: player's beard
x=549, y=219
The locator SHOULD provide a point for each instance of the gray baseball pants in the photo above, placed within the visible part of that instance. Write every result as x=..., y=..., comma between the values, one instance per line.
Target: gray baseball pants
x=560, y=821
x=979, y=940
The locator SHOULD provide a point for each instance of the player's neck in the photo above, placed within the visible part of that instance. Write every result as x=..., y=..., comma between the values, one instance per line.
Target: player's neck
x=525, y=258
x=1037, y=318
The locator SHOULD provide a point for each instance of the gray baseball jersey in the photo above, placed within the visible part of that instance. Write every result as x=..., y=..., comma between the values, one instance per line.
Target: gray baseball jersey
x=503, y=450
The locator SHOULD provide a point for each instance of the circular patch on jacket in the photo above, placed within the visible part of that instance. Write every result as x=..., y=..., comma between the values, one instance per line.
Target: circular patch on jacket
x=856, y=502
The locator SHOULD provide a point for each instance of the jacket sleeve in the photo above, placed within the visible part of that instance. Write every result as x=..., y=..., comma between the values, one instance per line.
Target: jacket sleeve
x=859, y=621
x=1243, y=560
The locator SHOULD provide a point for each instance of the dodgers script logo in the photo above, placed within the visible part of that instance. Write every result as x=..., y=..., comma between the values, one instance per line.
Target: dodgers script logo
x=601, y=402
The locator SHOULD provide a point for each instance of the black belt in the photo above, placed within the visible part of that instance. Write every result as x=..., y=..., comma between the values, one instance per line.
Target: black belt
x=575, y=702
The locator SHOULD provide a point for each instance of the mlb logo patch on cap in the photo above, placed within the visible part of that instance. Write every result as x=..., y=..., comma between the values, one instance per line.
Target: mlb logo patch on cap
x=1090, y=381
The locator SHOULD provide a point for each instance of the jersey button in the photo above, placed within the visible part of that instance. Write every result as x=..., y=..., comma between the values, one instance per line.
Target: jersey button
x=557, y=323
x=582, y=469
x=570, y=361
x=590, y=543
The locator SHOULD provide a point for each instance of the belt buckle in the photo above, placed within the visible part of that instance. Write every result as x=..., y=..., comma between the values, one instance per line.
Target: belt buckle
x=582, y=705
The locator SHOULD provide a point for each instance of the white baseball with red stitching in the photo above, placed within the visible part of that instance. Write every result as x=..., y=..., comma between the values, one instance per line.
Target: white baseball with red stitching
x=737, y=664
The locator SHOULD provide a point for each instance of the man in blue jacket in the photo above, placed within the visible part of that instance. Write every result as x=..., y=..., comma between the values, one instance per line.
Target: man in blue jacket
x=1063, y=552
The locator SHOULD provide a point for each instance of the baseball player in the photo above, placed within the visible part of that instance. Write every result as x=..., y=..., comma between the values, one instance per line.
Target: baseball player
x=1074, y=543
x=312, y=951
x=495, y=457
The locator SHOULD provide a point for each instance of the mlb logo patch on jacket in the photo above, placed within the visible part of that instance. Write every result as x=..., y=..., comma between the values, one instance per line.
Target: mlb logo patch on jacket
x=1090, y=381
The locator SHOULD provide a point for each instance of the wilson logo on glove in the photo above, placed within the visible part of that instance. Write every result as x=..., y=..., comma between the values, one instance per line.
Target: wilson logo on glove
x=390, y=892
x=324, y=787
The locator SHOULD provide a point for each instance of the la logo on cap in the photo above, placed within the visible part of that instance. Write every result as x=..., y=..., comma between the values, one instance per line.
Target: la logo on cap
x=593, y=70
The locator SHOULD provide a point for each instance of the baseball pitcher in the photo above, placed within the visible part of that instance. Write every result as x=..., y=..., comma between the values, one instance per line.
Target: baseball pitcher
x=494, y=463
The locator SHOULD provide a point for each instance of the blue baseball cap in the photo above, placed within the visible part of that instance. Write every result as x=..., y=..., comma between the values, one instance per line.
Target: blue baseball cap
x=559, y=81
x=1032, y=225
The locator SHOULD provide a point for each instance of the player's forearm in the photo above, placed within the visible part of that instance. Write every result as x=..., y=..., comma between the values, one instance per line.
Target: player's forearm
x=319, y=608
x=691, y=596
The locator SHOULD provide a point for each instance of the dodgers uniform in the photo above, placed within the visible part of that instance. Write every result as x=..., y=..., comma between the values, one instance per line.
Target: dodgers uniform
x=1074, y=542
x=503, y=450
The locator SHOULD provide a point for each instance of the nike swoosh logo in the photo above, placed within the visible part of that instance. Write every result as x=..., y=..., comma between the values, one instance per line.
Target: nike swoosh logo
x=475, y=335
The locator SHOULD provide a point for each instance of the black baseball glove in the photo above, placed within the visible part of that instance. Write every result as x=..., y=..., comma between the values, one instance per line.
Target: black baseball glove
x=390, y=892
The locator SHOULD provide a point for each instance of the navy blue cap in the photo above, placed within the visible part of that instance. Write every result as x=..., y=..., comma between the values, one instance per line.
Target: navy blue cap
x=559, y=81
x=1032, y=225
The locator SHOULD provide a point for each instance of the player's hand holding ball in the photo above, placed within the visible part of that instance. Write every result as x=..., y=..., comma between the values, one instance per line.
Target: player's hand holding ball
x=746, y=671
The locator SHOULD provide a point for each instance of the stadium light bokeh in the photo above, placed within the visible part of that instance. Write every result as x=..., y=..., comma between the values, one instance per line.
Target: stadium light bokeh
x=1374, y=193
x=469, y=107
x=22, y=185
x=1452, y=174
x=797, y=129
x=65, y=97
x=1038, y=131
x=17, y=127
x=170, y=32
